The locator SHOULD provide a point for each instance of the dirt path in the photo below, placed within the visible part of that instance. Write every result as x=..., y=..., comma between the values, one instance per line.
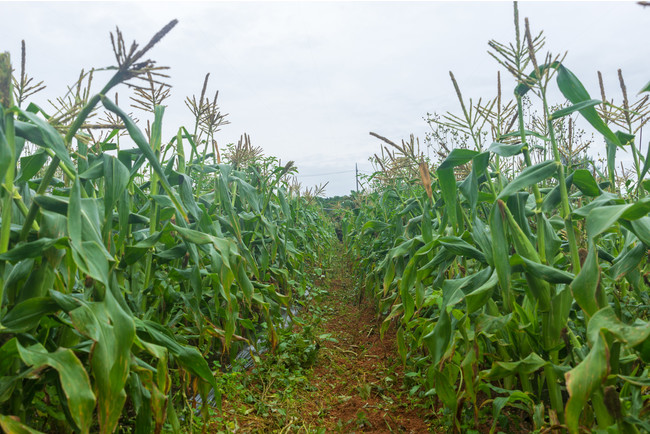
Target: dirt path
x=358, y=380
x=355, y=384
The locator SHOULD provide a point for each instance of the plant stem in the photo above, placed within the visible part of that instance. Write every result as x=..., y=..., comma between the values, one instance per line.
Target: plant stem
x=9, y=183
x=541, y=242
x=564, y=194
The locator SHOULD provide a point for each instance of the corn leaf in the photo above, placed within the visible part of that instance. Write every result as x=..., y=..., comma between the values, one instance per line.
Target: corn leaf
x=529, y=176
x=74, y=380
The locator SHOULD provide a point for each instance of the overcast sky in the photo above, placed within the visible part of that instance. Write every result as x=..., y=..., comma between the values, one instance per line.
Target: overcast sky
x=309, y=80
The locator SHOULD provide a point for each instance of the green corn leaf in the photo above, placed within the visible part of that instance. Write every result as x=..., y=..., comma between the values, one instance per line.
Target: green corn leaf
x=625, y=138
x=27, y=314
x=74, y=215
x=375, y=225
x=462, y=248
x=537, y=288
x=187, y=196
x=480, y=163
x=408, y=301
x=33, y=249
x=529, y=176
x=447, y=181
x=549, y=274
x=95, y=171
x=628, y=261
x=583, y=380
x=574, y=108
x=244, y=283
x=602, y=218
x=133, y=253
x=469, y=188
x=637, y=381
x=554, y=197
x=586, y=183
x=438, y=340
x=55, y=204
x=532, y=363
x=10, y=425
x=477, y=298
x=116, y=176
x=505, y=150
x=389, y=276
x=74, y=380
x=19, y=272
x=585, y=285
x=452, y=290
x=481, y=236
x=457, y=157
x=632, y=335
x=526, y=133
x=29, y=165
x=575, y=92
x=500, y=253
x=552, y=242
x=112, y=331
x=501, y=401
x=641, y=228
x=188, y=357
x=427, y=228
x=162, y=201
x=5, y=153
x=41, y=133
x=445, y=389
x=604, y=199
x=554, y=324
x=65, y=301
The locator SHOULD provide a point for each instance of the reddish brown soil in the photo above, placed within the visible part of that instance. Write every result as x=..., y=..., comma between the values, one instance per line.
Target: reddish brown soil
x=358, y=380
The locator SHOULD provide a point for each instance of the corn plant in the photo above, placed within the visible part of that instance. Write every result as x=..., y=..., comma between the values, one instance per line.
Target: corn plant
x=528, y=288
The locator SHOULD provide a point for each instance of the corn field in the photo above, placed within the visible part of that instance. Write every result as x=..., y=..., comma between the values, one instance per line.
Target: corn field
x=513, y=265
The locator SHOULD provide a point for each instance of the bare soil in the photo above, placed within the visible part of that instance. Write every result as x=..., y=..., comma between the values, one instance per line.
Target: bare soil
x=358, y=380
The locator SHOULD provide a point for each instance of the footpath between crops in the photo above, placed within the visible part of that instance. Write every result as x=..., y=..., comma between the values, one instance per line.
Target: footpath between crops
x=331, y=374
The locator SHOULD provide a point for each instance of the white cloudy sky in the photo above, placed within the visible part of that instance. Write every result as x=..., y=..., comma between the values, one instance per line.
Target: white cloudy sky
x=309, y=80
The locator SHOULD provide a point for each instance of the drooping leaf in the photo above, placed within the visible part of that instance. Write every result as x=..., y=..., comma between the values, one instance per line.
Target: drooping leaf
x=634, y=335
x=529, y=176
x=602, y=218
x=27, y=314
x=549, y=274
x=13, y=426
x=583, y=380
x=438, y=340
x=112, y=331
x=584, y=180
x=574, y=108
x=575, y=92
x=505, y=150
x=457, y=157
x=74, y=380
x=585, y=285
x=43, y=134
